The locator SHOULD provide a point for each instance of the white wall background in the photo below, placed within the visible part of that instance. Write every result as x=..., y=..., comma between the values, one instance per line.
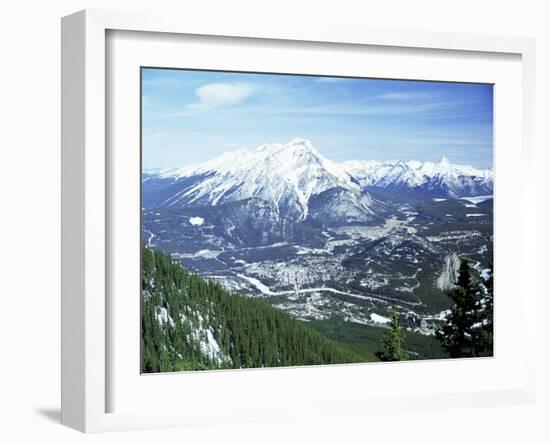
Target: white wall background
x=30, y=214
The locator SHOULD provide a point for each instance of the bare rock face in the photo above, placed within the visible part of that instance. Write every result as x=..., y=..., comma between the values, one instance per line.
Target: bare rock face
x=447, y=279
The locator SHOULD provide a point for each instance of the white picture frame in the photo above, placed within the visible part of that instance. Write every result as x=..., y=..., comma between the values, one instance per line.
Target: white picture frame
x=86, y=212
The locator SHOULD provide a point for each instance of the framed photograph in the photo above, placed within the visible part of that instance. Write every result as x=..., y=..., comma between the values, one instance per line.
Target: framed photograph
x=280, y=223
x=351, y=260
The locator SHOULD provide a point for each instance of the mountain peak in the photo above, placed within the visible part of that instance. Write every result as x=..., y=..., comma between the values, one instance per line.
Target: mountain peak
x=304, y=148
x=296, y=145
x=444, y=161
x=301, y=146
x=299, y=142
x=296, y=153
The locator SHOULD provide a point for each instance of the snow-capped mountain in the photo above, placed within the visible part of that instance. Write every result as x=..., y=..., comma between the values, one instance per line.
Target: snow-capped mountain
x=287, y=176
x=436, y=179
x=294, y=182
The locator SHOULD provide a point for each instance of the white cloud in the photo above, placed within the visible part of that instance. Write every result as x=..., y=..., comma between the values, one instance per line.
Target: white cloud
x=215, y=95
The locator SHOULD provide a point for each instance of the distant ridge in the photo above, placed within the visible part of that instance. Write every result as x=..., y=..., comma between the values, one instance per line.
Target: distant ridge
x=437, y=179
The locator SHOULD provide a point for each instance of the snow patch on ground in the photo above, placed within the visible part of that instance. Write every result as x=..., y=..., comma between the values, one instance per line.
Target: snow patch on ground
x=257, y=284
x=441, y=316
x=379, y=319
x=204, y=337
x=408, y=289
x=454, y=236
x=367, y=232
x=205, y=254
x=163, y=317
x=477, y=199
x=196, y=221
x=468, y=215
x=300, y=250
x=150, y=238
x=485, y=273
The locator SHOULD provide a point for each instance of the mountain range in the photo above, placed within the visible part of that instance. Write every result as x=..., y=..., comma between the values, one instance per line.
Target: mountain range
x=441, y=179
x=295, y=182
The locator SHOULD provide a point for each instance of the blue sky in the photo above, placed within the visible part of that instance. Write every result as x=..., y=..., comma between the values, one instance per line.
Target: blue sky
x=192, y=116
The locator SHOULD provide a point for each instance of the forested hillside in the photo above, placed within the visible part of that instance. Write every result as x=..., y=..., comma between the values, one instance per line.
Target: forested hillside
x=188, y=323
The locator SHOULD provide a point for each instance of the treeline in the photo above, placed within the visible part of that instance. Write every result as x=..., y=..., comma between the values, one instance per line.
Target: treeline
x=188, y=323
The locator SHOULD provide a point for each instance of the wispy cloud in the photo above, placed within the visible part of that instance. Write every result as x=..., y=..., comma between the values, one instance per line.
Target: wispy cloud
x=405, y=96
x=216, y=95
x=369, y=109
x=330, y=79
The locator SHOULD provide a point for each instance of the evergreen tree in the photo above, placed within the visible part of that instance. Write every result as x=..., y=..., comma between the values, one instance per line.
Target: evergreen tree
x=483, y=336
x=392, y=341
x=458, y=336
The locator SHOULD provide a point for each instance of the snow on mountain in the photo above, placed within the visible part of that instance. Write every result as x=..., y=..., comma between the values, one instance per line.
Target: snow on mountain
x=296, y=182
x=438, y=179
x=285, y=175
